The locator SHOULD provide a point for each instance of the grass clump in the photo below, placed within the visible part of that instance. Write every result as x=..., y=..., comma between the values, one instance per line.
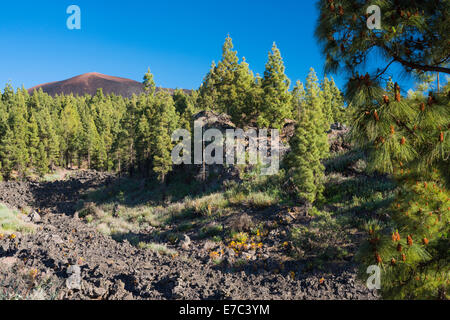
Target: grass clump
x=157, y=247
x=12, y=221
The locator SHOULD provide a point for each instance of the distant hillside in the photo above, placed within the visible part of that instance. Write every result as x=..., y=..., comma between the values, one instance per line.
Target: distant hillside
x=88, y=83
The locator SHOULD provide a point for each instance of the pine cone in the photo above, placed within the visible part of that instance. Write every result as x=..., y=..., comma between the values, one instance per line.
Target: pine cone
x=378, y=258
x=375, y=114
x=410, y=241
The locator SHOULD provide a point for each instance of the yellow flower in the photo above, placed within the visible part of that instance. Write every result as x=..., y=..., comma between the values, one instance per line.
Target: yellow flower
x=292, y=274
x=12, y=236
x=214, y=255
x=321, y=280
x=285, y=244
x=33, y=273
x=1, y=236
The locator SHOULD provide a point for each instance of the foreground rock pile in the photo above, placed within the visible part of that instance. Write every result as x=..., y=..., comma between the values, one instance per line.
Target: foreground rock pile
x=67, y=259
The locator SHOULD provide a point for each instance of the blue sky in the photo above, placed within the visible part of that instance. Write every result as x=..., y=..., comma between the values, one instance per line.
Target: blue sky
x=178, y=40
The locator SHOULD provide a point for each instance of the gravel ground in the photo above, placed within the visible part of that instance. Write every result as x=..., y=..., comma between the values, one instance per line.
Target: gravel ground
x=67, y=259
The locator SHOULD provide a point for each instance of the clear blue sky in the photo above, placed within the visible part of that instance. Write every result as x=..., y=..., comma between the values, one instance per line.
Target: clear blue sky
x=178, y=40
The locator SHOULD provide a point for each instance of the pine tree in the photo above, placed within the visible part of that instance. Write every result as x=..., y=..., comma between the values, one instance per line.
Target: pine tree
x=243, y=108
x=327, y=96
x=42, y=163
x=164, y=122
x=69, y=132
x=19, y=155
x=33, y=140
x=7, y=150
x=338, y=109
x=3, y=129
x=230, y=87
x=334, y=108
x=276, y=101
x=314, y=104
x=184, y=105
x=144, y=142
x=306, y=171
x=225, y=77
x=407, y=138
x=149, y=83
x=49, y=136
x=124, y=146
x=208, y=95
x=298, y=100
x=162, y=160
x=90, y=139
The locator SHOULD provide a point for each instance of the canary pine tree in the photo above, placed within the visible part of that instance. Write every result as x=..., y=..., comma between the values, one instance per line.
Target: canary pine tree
x=406, y=137
x=338, y=109
x=208, y=93
x=185, y=107
x=327, y=96
x=149, y=83
x=298, y=100
x=164, y=122
x=306, y=171
x=309, y=145
x=315, y=104
x=243, y=107
x=218, y=91
x=276, y=99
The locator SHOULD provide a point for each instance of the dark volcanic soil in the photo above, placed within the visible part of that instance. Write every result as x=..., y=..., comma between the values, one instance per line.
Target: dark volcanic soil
x=67, y=259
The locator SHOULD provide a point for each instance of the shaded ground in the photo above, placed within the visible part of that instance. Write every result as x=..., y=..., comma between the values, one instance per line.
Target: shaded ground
x=38, y=265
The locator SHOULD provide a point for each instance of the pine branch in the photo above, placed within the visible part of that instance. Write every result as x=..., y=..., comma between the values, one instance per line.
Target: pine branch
x=414, y=65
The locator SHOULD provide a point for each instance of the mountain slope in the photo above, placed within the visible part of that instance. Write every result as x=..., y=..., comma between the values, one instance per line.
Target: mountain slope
x=88, y=83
